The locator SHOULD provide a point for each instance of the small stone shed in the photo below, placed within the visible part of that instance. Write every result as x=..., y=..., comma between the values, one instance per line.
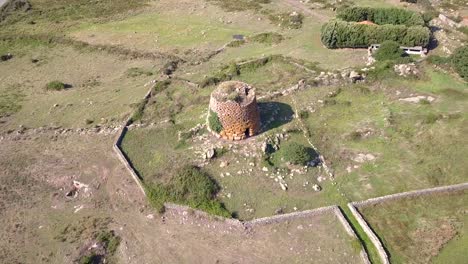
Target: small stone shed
x=233, y=106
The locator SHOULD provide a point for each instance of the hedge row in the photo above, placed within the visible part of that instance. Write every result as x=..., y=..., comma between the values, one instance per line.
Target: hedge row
x=381, y=16
x=342, y=34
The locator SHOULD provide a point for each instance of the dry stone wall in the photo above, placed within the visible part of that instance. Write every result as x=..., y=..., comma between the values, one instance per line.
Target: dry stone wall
x=370, y=233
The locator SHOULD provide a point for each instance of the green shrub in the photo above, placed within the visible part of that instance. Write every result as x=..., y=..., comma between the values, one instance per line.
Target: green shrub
x=460, y=61
x=295, y=153
x=381, y=16
x=214, y=122
x=428, y=16
x=267, y=38
x=303, y=114
x=389, y=50
x=55, y=86
x=190, y=186
x=89, y=259
x=139, y=111
x=109, y=240
x=341, y=34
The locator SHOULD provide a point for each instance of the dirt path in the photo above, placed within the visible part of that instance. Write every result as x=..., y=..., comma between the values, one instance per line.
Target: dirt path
x=301, y=7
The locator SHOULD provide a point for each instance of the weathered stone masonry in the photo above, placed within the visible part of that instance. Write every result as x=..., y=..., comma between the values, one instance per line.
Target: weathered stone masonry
x=235, y=104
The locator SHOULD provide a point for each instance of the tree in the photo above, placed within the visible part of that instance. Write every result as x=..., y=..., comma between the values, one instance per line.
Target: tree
x=388, y=50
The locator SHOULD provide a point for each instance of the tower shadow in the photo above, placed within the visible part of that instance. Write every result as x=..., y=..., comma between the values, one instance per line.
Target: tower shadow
x=274, y=114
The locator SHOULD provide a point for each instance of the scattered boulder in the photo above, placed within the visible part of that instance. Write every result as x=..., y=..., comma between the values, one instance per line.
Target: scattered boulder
x=361, y=157
x=417, y=99
x=355, y=76
x=444, y=19
x=6, y=57
x=406, y=69
x=316, y=187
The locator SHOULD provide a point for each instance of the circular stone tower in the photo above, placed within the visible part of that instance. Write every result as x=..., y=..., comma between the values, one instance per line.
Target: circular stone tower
x=233, y=111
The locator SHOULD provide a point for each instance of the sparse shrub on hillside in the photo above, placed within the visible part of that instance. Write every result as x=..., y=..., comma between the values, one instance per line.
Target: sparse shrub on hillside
x=135, y=72
x=267, y=38
x=55, y=86
x=240, y=5
x=294, y=153
x=388, y=50
x=236, y=43
x=109, y=240
x=460, y=61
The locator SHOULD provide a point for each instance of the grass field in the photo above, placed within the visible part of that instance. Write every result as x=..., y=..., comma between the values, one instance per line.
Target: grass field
x=405, y=139
x=99, y=88
x=428, y=229
x=106, y=54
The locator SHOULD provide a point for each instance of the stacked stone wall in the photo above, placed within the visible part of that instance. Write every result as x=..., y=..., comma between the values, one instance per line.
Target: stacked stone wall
x=239, y=120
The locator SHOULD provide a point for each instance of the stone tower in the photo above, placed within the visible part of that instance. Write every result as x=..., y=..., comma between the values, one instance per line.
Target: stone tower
x=234, y=113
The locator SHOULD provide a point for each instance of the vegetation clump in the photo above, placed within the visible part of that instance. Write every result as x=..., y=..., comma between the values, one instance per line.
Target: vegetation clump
x=459, y=61
x=381, y=16
x=236, y=43
x=240, y=5
x=295, y=153
x=135, y=72
x=55, y=86
x=190, y=186
x=267, y=38
x=389, y=50
x=343, y=34
x=214, y=122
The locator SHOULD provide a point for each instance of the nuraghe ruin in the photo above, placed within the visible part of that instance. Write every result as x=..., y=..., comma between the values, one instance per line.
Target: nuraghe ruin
x=236, y=108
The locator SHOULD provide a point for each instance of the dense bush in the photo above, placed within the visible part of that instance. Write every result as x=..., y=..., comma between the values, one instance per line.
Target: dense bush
x=381, y=16
x=55, y=86
x=295, y=153
x=389, y=50
x=214, y=122
x=190, y=186
x=460, y=61
x=341, y=34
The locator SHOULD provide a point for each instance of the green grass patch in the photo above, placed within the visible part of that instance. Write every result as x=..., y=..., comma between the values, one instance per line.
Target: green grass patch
x=427, y=229
x=10, y=100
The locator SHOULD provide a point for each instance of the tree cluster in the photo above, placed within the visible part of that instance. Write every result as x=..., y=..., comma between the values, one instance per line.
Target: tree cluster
x=381, y=16
x=343, y=34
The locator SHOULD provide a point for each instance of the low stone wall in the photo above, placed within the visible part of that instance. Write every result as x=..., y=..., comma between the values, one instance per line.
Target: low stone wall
x=290, y=216
x=120, y=153
x=374, y=239
x=412, y=194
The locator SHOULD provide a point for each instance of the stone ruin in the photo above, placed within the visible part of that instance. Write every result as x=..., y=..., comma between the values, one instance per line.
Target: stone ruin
x=234, y=105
